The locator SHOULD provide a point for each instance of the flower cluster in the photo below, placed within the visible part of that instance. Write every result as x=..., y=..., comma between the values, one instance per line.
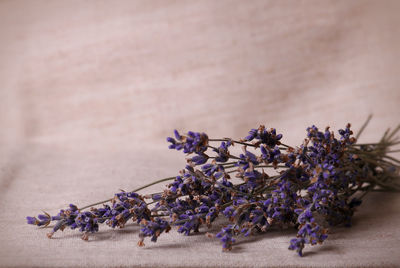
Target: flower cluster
x=311, y=187
x=124, y=206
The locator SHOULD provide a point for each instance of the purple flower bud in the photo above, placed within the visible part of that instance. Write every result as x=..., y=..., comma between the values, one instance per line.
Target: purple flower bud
x=31, y=220
x=177, y=136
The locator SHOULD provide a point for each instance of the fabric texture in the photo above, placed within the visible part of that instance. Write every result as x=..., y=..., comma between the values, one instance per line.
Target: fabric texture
x=90, y=89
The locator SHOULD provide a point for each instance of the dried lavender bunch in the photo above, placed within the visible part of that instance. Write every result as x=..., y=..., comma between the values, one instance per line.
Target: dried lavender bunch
x=311, y=187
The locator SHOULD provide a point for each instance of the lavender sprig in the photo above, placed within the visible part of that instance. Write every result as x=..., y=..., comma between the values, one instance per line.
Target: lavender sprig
x=324, y=178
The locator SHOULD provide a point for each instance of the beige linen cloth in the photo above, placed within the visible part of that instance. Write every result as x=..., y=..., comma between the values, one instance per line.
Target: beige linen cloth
x=90, y=89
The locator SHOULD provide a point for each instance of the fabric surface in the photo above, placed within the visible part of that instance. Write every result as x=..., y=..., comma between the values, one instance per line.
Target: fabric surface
x=90, y=89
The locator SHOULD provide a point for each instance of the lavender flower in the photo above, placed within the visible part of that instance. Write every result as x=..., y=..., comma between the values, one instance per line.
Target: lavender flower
x=190, y=143
x=267, y=137
x=324, y=178
x=153, y=229
x=226, y=236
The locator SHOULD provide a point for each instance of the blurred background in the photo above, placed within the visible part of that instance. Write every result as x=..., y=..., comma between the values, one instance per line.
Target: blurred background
x=110, y=75
x=89, y=90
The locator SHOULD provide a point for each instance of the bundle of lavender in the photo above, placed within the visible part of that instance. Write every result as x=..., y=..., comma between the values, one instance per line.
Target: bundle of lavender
x=311, y=187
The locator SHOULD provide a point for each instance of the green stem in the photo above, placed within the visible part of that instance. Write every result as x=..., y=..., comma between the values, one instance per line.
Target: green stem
x=248, y=144
x=378, y=143
x=227, y=163
x=284, y=145
x=270, y=166
x=138, y=189
x=234, y=141
x=363, y=126
x=393, y=132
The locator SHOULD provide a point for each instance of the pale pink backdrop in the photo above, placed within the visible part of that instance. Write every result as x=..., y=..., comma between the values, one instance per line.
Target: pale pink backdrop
x=90, y=89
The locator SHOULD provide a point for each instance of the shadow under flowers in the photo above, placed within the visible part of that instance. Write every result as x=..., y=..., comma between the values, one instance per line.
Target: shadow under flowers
x=105, y=233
